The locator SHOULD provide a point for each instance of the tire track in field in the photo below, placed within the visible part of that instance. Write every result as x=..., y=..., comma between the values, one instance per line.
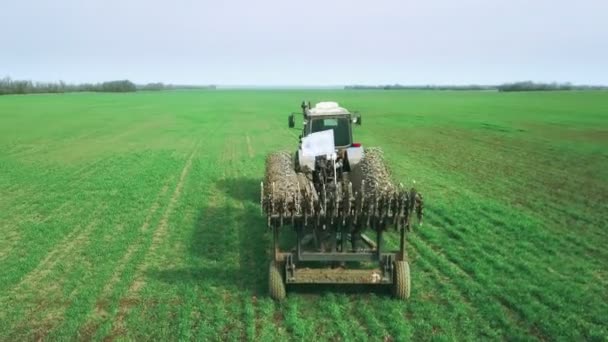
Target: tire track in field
x=537, y=247
x=205, y=311
x=66, y=247
x=533, y=249
x=380, y=316
x=231, y=303
x=251, y=247
x=553, y=170
x=157, y=237
x=572, y=242
x=361, y=311
x=556, y=207
x=250, y=151
x=12, y=237
x=384, y=316
x=201, y=315
x=99, y=311
x=84, y=170
x=534, y=279
x=471, y=289
x=443, y=292
x=219, y=210
x=334, y=307
x=24, y=150
x=39, y=297
x=217, y=319
x=458, y=232
x=55, y=313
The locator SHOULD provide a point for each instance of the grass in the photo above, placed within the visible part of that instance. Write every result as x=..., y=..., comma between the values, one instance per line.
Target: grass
x=136, y=216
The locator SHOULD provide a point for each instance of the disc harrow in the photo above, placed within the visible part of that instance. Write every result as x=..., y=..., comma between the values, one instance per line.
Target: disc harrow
x=377, y=203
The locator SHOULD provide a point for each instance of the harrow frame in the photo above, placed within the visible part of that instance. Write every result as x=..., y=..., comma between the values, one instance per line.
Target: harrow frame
x=296, y=268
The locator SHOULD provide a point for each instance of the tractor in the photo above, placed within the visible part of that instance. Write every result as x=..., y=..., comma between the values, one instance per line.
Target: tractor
x=331, y=191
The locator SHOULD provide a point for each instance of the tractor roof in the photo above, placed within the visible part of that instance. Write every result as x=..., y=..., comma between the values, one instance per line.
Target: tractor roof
x=327, y=109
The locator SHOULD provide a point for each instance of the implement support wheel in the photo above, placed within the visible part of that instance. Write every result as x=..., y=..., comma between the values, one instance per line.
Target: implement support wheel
x=401, y=280
x=276, y=285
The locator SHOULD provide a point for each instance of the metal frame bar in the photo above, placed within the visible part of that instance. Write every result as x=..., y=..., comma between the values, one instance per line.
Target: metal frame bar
x=340, y=256
x=340, y=253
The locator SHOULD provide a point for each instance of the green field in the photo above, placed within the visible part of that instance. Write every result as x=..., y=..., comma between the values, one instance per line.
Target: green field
x=136, y=216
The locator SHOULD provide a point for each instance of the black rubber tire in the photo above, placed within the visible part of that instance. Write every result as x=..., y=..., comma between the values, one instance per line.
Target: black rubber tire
x=291, y=121
x=276, y=285
x=401, y=280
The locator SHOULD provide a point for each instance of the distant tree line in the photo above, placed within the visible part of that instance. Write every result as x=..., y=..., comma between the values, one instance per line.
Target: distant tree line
x=189, y=86
x=421, y=87
x=10, y=86
x=534, y=86
x=152, y=86
x=517, y=86
x=161, y=86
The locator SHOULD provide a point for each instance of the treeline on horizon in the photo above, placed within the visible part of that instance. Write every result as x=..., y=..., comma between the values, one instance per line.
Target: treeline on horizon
x=9, y=86
x=506, y=87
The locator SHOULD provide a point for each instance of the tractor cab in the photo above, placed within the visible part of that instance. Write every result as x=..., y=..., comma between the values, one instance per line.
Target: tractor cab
x=324, y=116
x=327, y=130
x=337, y=119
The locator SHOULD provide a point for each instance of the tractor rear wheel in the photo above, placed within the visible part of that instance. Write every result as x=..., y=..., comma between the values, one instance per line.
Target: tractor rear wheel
x=401, y=280
x=276, y=285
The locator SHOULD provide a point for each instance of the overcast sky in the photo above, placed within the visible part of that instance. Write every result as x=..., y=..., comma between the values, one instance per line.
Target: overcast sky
x=282, y=42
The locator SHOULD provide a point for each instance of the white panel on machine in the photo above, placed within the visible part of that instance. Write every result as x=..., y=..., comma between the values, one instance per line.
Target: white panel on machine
x=318, y=144
x=355, y=154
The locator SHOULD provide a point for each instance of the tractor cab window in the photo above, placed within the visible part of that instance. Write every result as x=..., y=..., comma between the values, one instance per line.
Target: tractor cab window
x=340, y=126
